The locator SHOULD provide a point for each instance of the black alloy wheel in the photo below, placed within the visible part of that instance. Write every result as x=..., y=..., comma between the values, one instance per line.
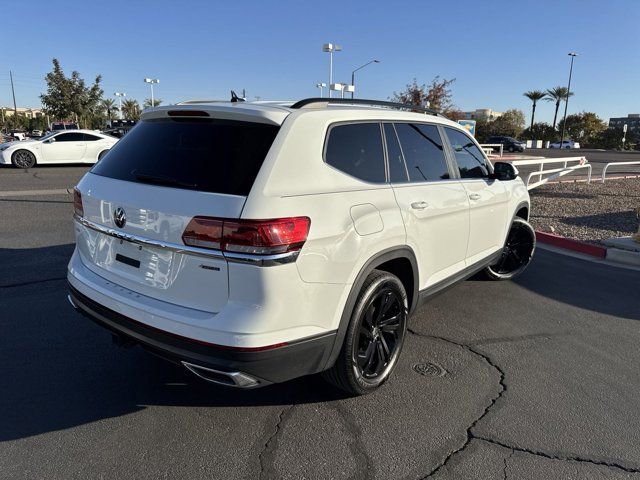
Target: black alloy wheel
x=374, y=337
x=23, y=159
x=380, y=333
x=516, y=253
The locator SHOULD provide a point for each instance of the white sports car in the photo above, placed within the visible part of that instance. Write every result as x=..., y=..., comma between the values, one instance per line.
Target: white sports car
x=65, y=146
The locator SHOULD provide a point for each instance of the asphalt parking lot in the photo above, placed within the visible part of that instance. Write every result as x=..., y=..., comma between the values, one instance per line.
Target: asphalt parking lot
x=530, y=379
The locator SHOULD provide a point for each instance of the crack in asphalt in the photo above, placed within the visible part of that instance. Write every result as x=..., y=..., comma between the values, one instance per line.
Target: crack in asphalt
x=503, y=388
x=519, y=338
x=561, y=457
x=492, y=402
x=505, y=460
x=364, y=465
x=267, y=454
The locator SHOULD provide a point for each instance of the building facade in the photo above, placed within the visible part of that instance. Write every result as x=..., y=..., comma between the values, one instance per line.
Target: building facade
x=24, y=111
x=482, y=114
x=632, y=121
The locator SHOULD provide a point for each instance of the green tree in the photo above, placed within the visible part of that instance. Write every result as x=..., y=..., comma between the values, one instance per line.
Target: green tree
x=147, y=102
x=557, y=95
x=131, y=110
x=540, y=131
x=437, y=96
x=534, y=96
x=70, y=97
x=583, y=127
x=109, y=106
x=611, y=138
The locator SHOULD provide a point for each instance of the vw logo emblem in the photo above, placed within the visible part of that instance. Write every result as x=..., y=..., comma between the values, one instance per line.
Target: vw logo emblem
x=119, y=217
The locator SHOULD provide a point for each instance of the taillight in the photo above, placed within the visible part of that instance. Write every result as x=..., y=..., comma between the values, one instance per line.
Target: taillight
x=77, y=202
x=261, y=237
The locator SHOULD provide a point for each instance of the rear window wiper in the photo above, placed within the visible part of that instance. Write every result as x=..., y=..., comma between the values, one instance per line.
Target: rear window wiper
x=162, y=180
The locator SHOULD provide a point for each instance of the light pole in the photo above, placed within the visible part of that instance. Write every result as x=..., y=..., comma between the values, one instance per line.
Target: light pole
x=330, y=47
x=566, y=100
x=120, y=95
x=151, y=81
x=321, y=86
x=353, y=74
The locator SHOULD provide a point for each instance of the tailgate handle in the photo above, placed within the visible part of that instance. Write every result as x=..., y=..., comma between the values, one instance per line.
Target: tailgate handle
x=128, y=260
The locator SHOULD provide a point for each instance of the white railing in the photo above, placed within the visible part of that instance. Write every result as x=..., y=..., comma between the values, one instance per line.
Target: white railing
x=606, y=167
x=488, y=148
x=580, y=162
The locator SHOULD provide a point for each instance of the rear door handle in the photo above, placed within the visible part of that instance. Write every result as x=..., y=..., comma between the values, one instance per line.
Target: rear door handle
x=419, y=205
x=474, y=196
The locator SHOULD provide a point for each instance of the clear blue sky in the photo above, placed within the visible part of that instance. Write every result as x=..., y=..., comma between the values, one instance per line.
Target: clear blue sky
x=201, y=49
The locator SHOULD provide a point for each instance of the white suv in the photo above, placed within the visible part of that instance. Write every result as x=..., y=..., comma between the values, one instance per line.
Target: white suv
x=258, y=242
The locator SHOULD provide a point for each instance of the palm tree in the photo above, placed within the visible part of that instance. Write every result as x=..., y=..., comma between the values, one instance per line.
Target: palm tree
x=534, y=96
x=557, y=94
x=156, y=102
x=131, y=109
x=109, y=105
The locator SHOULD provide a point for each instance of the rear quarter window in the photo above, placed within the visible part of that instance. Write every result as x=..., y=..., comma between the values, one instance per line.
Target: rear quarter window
x=218, y=156
x=356, y=149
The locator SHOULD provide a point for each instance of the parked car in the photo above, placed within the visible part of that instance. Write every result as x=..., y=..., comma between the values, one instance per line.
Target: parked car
x=509, y=144
x=75, y=146
x=565, y=144
x=18, y=135
x=254, y=243
x=36, y=133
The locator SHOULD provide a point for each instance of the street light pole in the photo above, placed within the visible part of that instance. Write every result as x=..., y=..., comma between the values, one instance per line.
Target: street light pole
x=120, y=95
x=321, y=86
x=151, y=81
x=353, y=74
x=330, y=48
x=566, y=100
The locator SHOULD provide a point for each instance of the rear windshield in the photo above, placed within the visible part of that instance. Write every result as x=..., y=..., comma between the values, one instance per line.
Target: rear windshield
x=219, y=156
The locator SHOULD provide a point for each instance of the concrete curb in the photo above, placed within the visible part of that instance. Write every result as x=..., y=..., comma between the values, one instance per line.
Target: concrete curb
x=612, y=254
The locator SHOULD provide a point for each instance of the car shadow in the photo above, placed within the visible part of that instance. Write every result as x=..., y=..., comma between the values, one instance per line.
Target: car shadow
x=60, y=370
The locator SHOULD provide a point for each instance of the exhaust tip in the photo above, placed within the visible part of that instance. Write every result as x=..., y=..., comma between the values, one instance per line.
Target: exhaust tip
x=229, y=379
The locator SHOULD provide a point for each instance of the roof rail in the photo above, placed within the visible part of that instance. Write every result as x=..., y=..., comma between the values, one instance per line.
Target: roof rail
x=360, y=101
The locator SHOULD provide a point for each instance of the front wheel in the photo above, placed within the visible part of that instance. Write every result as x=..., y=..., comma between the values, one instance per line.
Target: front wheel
x=516, y=253
x=23, y=159
x=374, y=337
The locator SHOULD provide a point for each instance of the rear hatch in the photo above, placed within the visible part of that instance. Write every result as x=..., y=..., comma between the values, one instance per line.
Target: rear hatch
x=165, y=171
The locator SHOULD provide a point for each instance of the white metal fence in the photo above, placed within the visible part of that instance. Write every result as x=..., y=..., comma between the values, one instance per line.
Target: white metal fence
x=606, y=167
x=488, y=148
x=569, y=164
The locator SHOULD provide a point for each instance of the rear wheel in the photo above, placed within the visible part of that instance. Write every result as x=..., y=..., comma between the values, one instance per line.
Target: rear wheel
x=374, y=337
x=517, y=252
x=102, y=154
x=23, y=159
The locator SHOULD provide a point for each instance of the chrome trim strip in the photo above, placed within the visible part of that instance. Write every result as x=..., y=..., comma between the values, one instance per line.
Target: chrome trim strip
x=262, y=260
x=258, y=260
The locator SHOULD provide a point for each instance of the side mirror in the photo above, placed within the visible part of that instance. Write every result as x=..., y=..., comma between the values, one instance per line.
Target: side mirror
x=504, y=171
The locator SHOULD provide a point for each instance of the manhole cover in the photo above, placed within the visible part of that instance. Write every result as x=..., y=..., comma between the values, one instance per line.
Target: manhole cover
x=430, y=369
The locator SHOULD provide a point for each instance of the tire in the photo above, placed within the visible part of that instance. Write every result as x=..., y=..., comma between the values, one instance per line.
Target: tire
x=102, y=154
x=517, y=252
x=374, y=337
x=511, y=150
x=23, y=159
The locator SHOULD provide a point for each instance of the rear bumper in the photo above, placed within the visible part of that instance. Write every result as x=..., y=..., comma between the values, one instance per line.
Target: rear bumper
x=295, y=359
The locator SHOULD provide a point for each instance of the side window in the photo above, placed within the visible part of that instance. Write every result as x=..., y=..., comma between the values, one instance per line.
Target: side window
x=471, y=162
x=70, y=137
x=356, y=149
x=397, y=168
x=90, y=138
x=423, y=152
